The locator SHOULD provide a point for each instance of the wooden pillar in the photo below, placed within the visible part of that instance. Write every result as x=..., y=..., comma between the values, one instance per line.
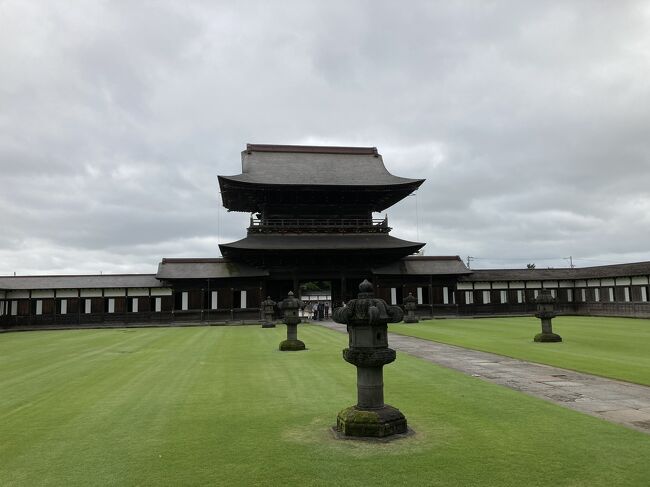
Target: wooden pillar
x=431, y=295
x=232, y=304
x=202, y=302
x=209, y=300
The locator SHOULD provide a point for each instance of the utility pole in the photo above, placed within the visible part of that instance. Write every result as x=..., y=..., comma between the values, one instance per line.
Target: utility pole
x=570, y=259
x=469, y=259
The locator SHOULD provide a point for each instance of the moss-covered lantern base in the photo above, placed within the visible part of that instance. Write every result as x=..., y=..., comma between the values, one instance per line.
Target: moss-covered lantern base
x=371, y=423
x=292, y=345
x=547, y=337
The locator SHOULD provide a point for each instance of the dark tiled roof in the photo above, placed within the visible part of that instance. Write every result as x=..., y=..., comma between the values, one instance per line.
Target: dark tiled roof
x=311, y=165
x=79, y=281
x=205, y=268
x=616, y=270
x=325, y=241
x=424, y=265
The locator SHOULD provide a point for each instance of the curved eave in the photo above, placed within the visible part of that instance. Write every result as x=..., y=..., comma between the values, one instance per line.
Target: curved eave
x=247, y=196
x=390, y=181
x=320, y=243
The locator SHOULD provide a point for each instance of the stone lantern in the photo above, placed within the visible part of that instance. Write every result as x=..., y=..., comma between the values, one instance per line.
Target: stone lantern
x=546, y=312
x=268, y=310
x=410, y=305
x=290, y=307
x=367, y=319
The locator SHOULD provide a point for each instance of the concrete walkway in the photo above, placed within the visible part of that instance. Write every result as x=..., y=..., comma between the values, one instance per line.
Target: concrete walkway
x=619, y=402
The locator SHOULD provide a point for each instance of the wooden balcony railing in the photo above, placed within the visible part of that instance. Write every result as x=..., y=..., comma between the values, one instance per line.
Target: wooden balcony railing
x=319, y=225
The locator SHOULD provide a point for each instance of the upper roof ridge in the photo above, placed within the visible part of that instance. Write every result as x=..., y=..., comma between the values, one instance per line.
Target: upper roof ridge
x=311, y=149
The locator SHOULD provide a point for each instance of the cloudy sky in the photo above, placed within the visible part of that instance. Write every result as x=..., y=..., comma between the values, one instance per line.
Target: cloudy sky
x=530, y=121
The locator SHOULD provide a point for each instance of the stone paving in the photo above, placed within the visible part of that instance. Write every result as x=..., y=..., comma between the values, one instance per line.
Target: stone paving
x=619, y=402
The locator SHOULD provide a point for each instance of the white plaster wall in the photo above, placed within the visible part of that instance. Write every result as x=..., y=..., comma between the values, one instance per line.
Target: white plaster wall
x=91, y=293
x=161, y=291
x=17, y=294
x=43, y=293
x=66, y=293
x=138, y=291
x=115, y=292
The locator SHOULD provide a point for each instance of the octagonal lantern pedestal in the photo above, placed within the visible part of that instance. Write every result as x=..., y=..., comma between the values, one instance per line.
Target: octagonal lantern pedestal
x=410, y=305
x=546, y=312
x=367, y=318
x=290, y=307
x=268, y=310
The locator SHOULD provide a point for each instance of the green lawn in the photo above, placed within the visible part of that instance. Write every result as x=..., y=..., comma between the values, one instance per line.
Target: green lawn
x=221, y=406
x=611, y=347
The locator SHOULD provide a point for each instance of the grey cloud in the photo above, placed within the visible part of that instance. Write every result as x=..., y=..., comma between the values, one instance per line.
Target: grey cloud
x=528, y=120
